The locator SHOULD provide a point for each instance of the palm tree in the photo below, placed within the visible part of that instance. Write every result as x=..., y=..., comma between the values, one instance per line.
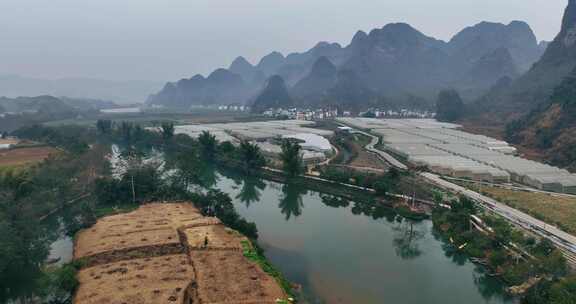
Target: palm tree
x=208, y=144
x=167, y=130
x=126, y=130
x=251, y=156
x=291, y=203
x=104, y=126
x=291, y=158
x=251, y=190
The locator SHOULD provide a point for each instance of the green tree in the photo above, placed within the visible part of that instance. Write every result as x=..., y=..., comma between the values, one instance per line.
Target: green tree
x=437, y=197
x=563, y=292
x=138, y=133
x=449, y=106
x=388, y=182
x=131, y=163
x=104, y=126
x=126, y=131
x=293, y=164
x=251, y=190
x=167, y=130
x=208, y=145
x=251, y=156
x=291, y=203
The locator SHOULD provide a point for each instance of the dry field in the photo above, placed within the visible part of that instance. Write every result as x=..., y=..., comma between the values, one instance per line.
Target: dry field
x=553, y=209
x=9, y=141
x=145, y=280
x=158, y=254
x=24, y=156
x=359, y=157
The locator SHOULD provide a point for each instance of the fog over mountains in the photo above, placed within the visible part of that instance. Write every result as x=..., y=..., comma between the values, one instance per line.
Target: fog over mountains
x=393, y=64
x=121, y=92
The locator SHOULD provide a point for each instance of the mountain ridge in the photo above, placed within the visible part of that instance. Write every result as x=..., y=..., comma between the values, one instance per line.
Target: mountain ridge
x=536, y=85
x=391, y=61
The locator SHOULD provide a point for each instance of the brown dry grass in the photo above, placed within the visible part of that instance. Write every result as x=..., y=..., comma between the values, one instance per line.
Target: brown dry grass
x=153, y=255
x=147, y=280
x=216, y=270
x=154, y=224
x=553, y=209
x=25, y=156
x=361, y=157
x=219, y=237
x=10, y=141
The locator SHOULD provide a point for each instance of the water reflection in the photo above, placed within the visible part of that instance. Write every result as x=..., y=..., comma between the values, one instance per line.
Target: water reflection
x=251, y=190
x=490, y=288
x=291, y=203
x=412, y=241
x=406, y=239
x=52, y=243
x=207, y=176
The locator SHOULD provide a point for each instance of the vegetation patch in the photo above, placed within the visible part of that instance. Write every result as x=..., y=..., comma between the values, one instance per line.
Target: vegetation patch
x=256, y=254
x=554, y=209
x=16, y=158
x=351, y=152
x=491, y=241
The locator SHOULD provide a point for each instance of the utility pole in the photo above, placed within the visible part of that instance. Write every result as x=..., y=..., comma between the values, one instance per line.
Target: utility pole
x=133, y=190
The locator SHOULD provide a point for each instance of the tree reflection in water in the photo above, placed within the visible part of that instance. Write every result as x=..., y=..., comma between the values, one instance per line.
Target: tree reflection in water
x=406, y=239
x=251, y=190
x=490, y=287
x=208, y=176
x=291, y=203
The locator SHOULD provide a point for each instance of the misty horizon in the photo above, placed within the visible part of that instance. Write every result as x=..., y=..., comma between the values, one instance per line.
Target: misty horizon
x=168, y=41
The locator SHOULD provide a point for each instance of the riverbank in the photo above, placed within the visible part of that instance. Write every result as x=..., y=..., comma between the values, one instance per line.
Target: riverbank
x=405, y=205
x=518, y=259
x=169, y=252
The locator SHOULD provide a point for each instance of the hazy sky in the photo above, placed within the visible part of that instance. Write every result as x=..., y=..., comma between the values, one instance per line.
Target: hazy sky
x=171, y=39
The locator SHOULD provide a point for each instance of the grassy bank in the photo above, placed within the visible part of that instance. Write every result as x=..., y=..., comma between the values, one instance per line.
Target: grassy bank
x=552, y=209
x=509, y=253
x=254, y=253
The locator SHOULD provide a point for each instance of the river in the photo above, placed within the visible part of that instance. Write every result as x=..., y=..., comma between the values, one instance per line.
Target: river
x=347, y=252
x=356, y=253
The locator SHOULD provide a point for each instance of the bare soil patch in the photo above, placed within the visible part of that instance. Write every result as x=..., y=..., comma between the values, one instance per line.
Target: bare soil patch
x=158, y=254
x=8, y=141
x=25, y=156
x=215, y=270
x=216, y=236
x=357, y=156
x=147, y=280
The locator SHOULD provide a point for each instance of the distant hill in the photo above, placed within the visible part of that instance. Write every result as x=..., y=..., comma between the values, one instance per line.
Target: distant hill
x=536, y=85
x=122, y=92
x=222, y=86
x=544, y=99
x=321, y=78
x=551, y=127
x=274, y=95
x=395, y=62
x=477, y=41
x=41, y=104
x=47, y=104
x=479, y=77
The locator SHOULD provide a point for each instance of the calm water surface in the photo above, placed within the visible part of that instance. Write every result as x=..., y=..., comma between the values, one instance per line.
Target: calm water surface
x=356, y=254
x=349, y=254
